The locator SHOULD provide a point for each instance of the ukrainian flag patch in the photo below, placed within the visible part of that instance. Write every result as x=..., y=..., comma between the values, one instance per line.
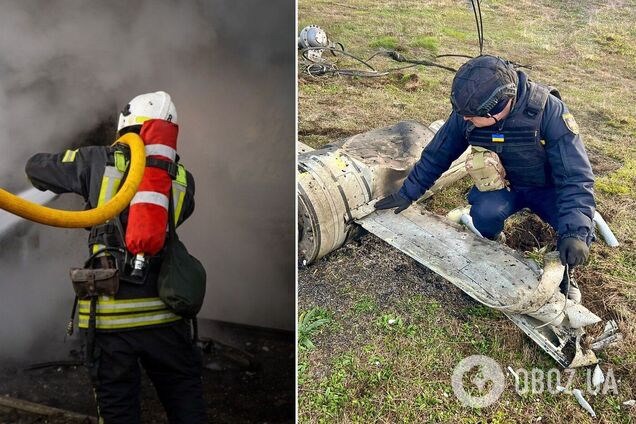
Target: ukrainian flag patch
x=570, y=123
x=497, y=138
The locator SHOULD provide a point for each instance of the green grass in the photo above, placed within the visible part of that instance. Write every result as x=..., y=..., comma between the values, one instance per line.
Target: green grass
x=374, y=369
x=386, y=42
x=538, y=254
x=483, y=311
x=365, y=305
x=459, y=35
x=390, y=323
x=425, y=42
x=620, y=182
x=309, y=323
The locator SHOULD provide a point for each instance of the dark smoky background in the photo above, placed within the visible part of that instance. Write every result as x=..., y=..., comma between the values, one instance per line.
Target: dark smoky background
x=67, y=68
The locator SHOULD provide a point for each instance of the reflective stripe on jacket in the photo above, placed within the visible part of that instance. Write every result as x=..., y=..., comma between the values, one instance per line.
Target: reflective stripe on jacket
x=126, y=309
x=96, y=173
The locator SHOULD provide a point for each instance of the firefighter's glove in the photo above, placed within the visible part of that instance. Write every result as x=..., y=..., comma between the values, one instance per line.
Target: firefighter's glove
x=395, y=200
x=573, y=251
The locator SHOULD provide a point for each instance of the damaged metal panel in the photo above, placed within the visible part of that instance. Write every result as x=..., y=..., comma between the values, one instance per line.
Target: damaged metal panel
x=336, y=181
x=303, y=148
x=347, y=174
x=488, y=271
x=495, y=275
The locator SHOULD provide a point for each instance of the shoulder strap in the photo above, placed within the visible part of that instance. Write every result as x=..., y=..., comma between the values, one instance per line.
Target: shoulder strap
x=537, y=98
x=121, y=161
x=176, y=171
x=554, y=91
x=170, y=167
x=181, y=177
x=171, y=222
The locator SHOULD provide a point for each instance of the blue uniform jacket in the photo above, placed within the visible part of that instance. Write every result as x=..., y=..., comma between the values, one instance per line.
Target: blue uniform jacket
x=571, y=173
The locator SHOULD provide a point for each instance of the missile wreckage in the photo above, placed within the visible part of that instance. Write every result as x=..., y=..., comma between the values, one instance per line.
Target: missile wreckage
x=337, y=187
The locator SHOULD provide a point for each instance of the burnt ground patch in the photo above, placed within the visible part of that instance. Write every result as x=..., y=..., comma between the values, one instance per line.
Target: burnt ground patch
x=236, y=392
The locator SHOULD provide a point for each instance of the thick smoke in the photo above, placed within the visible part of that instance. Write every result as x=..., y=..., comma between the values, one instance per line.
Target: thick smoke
x=68, y=66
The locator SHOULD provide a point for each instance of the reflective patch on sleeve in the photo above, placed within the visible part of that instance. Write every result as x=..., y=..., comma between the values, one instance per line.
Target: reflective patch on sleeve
x=182, y=176
x=69, y=156
x=569, y=121
x=120, y=161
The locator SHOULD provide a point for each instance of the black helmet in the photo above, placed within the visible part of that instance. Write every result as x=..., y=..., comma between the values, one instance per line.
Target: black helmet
x=481, y=84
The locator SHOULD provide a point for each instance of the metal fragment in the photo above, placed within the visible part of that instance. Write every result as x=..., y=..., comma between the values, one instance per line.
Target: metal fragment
x=581, y=400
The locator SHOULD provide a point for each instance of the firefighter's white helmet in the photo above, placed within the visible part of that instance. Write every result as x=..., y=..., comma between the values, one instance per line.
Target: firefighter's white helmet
x=157, y=105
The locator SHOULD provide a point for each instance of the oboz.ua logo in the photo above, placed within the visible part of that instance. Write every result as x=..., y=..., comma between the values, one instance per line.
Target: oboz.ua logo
x=478, y=381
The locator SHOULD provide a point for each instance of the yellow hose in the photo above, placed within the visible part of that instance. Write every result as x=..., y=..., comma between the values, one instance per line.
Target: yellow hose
x=89, y=218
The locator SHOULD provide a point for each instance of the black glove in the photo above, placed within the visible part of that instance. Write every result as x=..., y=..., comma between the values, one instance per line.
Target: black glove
x=573, y=251
x=395, y=200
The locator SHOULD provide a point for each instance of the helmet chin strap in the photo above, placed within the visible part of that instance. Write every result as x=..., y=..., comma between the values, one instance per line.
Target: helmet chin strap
x=514, y=101
x=511, y=103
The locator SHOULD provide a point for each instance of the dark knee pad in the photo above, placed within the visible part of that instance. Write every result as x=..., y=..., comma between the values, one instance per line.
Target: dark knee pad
x=488, y=219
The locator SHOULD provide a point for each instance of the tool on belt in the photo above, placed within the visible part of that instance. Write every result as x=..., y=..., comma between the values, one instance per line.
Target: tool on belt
x=486, y=169
x=98, y=277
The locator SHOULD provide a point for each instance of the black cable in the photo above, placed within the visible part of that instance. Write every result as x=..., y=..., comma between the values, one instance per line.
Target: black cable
x=315, y=68
x=399, y=58
x=479, y=23
x=335, y=50
x=481, y=32
x=323, y=68
x=401, y=68
x=472, y=3
x=454, y=55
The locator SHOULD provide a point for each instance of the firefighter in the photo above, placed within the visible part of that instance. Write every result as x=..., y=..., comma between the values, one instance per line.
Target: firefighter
x=133, y=327
x=537, y=141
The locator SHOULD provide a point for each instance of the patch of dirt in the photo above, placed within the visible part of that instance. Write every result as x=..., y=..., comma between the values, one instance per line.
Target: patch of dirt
x=602, y=164
x=409, y=82
x=234, y=393
x=371, y=266
x=372, y=271
x=368, y=82
x=333, y=133
x=526, y=231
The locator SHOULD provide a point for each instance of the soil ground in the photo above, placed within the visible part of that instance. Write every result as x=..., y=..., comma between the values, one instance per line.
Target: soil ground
x=390, y=331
